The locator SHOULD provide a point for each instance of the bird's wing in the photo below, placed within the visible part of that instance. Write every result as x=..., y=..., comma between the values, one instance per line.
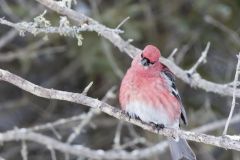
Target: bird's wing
x=171, y=80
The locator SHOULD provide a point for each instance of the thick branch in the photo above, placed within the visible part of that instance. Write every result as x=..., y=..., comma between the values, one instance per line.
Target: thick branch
x=224, y=142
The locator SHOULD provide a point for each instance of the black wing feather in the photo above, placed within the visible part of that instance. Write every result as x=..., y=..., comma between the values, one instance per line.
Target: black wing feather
x=171, y=77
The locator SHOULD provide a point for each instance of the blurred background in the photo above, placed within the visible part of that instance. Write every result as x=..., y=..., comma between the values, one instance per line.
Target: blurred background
x=60, y=63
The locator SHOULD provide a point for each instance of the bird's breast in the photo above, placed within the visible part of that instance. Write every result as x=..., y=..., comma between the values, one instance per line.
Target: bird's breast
x=148, y=99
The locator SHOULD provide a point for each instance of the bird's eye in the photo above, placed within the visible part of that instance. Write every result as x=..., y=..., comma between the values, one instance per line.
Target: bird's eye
x=146, y=62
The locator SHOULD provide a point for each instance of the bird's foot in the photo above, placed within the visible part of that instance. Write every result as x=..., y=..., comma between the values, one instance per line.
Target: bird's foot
x=157, y=126
x=127, y=115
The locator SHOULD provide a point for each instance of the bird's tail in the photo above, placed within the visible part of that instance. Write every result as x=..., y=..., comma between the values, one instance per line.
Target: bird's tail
x=180, y=149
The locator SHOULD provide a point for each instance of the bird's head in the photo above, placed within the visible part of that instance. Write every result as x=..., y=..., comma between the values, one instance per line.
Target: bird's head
x=147, y=63
x=150, y=55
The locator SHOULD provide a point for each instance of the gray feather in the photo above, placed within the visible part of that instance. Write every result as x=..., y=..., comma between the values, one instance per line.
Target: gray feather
x=180, y=149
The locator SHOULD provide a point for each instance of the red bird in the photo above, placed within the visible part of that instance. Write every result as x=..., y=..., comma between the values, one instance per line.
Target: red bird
x=148, y=92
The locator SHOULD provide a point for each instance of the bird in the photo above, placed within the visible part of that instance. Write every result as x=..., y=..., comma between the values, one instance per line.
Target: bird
x=148, y=92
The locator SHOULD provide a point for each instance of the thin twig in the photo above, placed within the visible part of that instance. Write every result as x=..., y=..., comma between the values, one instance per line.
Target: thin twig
x=133, y=142
x=86, y=89
x=172, y=54
x=200, y=60
x=186, y=47
x=13, y=33
x=53, y=153
x=8, y=10
x=65, y=73
x=91, y=114
x=108, y=53
x=106, y=49
x=78, y=129
x=56, y=123
x=55, y=132
x=117, y=137
x=234, y=95
x=1, y=158
x=7, y=37
x=28, y=53
x=234, y=36
x=122, y=23
x=216, y=125
x=24, y=151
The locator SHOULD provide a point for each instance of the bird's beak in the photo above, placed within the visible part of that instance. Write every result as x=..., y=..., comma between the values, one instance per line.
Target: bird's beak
x=144, y=62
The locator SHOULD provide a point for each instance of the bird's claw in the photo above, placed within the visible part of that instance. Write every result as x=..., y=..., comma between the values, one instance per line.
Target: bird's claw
x=157, y=126
x=127, y=115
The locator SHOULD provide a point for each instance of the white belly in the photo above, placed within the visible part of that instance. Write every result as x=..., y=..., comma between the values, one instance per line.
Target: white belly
x=150, y=114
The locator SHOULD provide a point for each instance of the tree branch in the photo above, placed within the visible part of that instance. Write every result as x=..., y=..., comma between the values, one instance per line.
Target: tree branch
x=195, y=80
x=228, y=142
x=102, y=30
x=224, y=142
x=136, y=154
x=234, y=95
x=200, y=60
x=112, y=35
